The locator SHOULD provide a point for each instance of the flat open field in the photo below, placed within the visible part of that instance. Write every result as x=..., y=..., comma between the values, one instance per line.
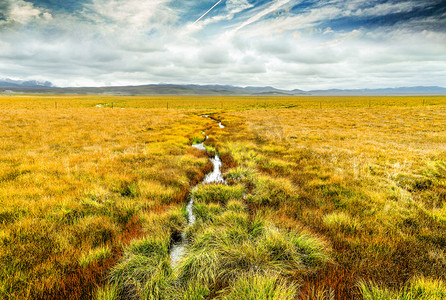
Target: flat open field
x=325, y=197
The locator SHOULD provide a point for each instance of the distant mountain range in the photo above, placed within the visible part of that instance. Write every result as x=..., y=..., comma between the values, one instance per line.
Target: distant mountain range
x=15, y=86
x=30, y=84
x=415, y=90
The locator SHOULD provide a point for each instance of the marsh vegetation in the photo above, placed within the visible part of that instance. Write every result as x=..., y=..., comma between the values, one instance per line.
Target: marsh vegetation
x=325, y=198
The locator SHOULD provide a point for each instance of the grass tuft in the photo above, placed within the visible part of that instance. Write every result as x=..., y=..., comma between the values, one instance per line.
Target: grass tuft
x=94, y=256
x=256, y=286
x=218, y=193
x=419, y=288
x=340, y=221
x=108, y=292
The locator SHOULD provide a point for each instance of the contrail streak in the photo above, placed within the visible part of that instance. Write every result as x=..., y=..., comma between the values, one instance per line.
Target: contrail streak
x=203, y=15
x=278, y=4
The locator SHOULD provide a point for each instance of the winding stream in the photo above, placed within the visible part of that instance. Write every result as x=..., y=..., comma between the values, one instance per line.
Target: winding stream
x=178, y=247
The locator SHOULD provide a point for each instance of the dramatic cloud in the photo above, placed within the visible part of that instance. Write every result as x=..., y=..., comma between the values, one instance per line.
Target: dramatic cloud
x=14, y=12
x=306, y=44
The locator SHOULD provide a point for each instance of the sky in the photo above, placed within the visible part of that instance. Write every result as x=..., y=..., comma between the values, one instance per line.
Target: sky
x=288, y=44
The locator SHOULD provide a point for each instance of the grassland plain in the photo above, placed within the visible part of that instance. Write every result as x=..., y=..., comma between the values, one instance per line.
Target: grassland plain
x=75, y=184
x=328, y=197
x=370, y=180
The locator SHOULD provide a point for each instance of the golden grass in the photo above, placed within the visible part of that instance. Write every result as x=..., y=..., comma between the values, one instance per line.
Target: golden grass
x=371, y=180
x=72, y=182
x=213, y=102
x=79, y=182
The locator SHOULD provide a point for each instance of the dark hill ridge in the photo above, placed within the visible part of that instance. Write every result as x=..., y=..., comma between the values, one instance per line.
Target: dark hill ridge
x=151, y=89
x=15, y=86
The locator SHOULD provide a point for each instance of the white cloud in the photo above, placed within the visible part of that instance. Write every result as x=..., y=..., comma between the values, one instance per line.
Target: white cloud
x=387, y=8
x=236, y=6
x=275, y=6
x=23, y=12
x=140, y=15
x=138, y=42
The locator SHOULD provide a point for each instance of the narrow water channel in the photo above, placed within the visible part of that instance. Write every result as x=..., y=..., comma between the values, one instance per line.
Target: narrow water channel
x=178, y=247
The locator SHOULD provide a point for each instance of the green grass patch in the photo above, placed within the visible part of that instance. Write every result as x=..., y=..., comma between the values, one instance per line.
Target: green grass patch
x=231, y=245
x=419, y=288
x=219, y=193
x=95, y=256
x=265, y=287
x=341, y=221
x=273, y=191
